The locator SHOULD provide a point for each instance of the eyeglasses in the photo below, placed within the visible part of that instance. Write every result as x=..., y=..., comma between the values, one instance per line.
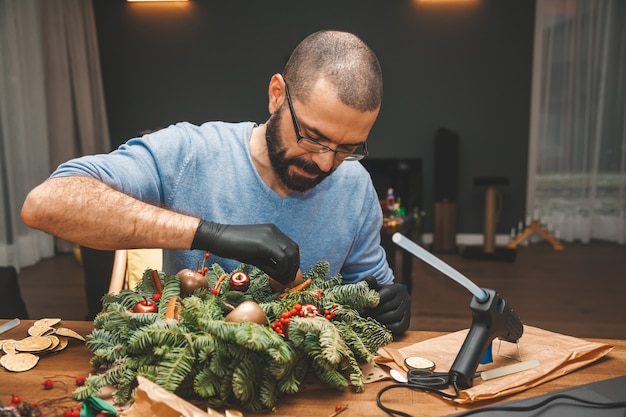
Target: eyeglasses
x=356, y=153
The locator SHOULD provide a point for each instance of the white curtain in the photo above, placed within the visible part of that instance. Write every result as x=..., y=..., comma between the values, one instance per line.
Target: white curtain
x=51, y=108
x=577, y=159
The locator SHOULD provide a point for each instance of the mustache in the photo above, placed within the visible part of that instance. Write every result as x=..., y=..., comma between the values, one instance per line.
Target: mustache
x=308, y=166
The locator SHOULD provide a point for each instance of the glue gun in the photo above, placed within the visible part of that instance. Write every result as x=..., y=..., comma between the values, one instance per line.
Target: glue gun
x=492, y=318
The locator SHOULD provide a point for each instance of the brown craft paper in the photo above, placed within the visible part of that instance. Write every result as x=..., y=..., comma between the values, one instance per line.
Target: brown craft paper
x=152, y=400
x=557, y=354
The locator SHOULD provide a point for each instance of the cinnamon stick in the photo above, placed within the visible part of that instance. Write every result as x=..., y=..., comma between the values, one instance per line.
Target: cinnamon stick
x=156, y=281
x=170, y=311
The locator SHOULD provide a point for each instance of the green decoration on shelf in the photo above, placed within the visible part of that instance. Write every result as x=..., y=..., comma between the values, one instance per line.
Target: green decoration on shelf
x=204, y=359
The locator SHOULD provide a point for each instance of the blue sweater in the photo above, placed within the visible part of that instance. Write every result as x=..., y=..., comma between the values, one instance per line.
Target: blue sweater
x=206, y=171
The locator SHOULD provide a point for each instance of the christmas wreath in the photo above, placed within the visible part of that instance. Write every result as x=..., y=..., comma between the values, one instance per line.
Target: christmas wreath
x=205, y=343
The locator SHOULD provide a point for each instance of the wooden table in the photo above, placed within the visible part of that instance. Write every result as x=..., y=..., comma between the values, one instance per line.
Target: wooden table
x=314, y=400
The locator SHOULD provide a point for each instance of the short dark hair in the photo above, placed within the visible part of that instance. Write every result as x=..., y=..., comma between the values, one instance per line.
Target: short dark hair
x=344, y=60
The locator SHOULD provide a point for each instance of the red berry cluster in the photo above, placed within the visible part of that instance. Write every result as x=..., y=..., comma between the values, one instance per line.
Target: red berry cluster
x=203, y=269
x=21, y=408
x=280, y=325
x=299, y=310
x=72, y=412
x=15, y=400
x=330, y=314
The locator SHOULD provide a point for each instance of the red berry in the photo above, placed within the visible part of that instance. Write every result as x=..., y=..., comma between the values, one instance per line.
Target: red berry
x=76, y=413
x=80, y=380
x=48, y=384
x=68, y=412
x=99, y=415
x=213, y=291
x=338, y=407
x=207, y=255
x=16, y=399
x=156, y=297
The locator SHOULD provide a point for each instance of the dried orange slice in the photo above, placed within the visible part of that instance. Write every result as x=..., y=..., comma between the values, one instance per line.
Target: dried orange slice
x=63, y=342
x=19, y=362
x=63, y=331
x=8, y=346
x=40, y=330
x=33, y=344
x=48, y=322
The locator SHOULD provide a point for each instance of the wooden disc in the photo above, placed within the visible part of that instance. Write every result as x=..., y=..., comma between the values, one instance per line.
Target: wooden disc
x=19, y=362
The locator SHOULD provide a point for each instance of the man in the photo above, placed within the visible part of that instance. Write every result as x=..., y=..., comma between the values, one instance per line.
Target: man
x=247, y=192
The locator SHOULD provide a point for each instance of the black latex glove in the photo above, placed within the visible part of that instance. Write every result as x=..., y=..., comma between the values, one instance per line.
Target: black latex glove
x=394, y=309
x=261, y=245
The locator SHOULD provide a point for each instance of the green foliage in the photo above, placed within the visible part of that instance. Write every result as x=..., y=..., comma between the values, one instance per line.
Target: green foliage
x=248, y=365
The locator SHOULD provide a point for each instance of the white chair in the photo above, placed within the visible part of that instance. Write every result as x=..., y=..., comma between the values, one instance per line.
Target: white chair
x=129, y=266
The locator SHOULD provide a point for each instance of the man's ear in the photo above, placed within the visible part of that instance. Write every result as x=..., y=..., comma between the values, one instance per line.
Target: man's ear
x=276, y=93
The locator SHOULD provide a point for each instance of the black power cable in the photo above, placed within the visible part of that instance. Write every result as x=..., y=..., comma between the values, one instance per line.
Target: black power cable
x=428, y=387
x=427, y=381
x=581, y=403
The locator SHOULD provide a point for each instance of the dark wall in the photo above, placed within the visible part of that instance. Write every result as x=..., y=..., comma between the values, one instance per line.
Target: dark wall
x=466, y=67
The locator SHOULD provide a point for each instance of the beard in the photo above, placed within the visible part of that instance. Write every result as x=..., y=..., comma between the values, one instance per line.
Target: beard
x=281, y=164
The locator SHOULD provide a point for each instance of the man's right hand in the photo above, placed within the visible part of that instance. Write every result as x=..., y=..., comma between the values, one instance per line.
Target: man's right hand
x=261, y=245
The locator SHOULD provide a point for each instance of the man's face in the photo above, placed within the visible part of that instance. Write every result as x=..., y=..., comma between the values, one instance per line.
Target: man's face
x=278, y=146
x=323, y=119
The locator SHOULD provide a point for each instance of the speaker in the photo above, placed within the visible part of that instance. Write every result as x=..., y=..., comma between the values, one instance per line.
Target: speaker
x=446, y=169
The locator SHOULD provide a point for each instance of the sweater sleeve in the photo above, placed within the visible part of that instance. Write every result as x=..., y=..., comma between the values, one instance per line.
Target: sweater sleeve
x=142, y=167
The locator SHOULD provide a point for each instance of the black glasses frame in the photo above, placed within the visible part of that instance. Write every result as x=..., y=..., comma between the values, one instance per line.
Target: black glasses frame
x=314, y=146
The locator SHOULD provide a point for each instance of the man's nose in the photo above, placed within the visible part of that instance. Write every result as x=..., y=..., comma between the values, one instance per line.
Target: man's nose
x=325, y=161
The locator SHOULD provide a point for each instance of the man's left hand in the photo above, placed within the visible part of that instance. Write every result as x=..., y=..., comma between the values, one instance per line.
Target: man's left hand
x=394, y=309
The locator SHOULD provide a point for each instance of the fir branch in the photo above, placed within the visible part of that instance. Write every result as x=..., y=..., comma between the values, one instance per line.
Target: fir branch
x=214, y=273
x=290, y=383
x=319, y=271
x=106, y=346
x=268, y=391
x=356, y=375
x=206, y=383
x=358, y=296
x=127, y=298
x=197, y=311
x=126, y=386
x=175, y=366
x=160, y=333
x=171, y=289
x=359, y=349
x=373, y=334
x=247, y=378
x=331, y=282
x=233, y=296
x=320, y=339
x=330, y=376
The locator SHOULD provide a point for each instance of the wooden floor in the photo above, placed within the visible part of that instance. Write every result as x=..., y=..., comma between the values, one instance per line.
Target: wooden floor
x=580, y=291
